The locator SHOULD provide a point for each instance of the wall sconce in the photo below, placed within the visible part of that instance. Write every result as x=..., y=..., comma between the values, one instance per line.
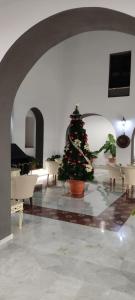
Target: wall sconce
x=123, y=140
x=123, y=123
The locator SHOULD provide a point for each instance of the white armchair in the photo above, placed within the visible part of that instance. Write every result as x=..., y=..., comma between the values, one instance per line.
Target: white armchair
x=129, y=173
x=52, y=169
x=17, y=206
x=22, y=187
x=116, y=174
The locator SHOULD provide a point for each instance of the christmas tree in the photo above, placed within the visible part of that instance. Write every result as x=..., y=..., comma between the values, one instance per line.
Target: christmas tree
x=77, y=159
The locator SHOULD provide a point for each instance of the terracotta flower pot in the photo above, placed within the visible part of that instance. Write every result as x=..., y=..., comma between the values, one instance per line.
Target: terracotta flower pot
x=76, y=187
x=112, y=160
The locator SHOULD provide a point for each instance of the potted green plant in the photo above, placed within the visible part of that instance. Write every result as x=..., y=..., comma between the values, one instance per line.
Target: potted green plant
x=110, y=147
x=54, y=157
x=76, y=166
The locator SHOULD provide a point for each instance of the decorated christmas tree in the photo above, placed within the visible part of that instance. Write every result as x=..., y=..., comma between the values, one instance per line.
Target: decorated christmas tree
x=77, y=159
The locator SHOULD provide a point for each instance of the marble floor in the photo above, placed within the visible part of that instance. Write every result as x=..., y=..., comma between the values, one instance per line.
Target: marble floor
x=52, y=259
x=101, y=206
x=96, y=199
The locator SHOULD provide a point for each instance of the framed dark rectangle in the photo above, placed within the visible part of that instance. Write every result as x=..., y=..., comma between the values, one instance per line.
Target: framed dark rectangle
x=119, y=74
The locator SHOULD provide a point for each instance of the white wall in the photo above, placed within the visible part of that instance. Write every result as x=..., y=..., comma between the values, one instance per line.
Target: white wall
x=22, y=15
x=87, y=75
x=42, y=88
x=75, y=71
x=97, y=129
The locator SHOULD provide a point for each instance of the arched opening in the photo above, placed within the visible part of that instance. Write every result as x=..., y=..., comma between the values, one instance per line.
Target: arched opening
x=39, y=136
x=34, y=135
x=98, y=128
x=19, y=60
x=30, y=133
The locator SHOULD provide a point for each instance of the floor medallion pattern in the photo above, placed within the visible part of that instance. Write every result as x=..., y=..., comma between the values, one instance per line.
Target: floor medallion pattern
x=112, y=218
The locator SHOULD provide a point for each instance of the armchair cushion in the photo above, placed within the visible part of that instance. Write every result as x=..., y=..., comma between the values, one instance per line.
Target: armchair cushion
x=22, y=187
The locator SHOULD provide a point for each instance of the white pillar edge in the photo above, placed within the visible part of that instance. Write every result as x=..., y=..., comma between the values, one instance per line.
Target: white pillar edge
x=6, y=239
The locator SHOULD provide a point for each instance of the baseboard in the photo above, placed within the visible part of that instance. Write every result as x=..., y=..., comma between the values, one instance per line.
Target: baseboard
x=6, y=239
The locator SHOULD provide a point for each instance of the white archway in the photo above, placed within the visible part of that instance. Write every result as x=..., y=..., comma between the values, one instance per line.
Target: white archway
x=19, y=60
